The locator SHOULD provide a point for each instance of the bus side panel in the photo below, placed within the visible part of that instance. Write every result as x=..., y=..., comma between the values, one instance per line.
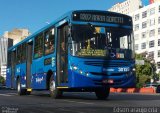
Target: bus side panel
x=38, y=74
x=21, y=72
x=78, y=80
x=49, y=68
x=8, y=78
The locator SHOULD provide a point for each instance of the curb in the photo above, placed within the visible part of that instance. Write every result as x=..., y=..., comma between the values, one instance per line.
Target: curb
x=133, y=90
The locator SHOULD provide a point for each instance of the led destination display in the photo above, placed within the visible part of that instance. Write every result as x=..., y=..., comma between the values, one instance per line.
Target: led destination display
x=102, y=17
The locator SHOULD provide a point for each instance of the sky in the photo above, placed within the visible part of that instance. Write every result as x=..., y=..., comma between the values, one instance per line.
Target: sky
x=35, y=14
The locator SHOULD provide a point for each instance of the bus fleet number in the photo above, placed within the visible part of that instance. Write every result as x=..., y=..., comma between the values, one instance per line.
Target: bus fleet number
x=123, y=69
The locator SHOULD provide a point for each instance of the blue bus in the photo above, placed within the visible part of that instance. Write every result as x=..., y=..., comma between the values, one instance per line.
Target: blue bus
x=84, y=50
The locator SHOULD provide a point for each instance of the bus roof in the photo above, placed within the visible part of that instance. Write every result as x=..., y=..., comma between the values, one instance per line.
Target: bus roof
x=68, y=14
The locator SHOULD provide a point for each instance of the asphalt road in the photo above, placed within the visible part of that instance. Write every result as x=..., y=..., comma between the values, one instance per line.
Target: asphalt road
x=40, y=102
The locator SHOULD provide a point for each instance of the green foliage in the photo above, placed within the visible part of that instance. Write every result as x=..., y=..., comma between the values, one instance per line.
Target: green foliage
x=2, y=80
x=142, y=80
x=144, y=72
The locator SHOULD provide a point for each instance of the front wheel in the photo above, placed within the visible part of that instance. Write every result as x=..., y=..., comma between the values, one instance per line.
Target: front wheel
x=54, y=92
x=102, y=93
x=20, y=91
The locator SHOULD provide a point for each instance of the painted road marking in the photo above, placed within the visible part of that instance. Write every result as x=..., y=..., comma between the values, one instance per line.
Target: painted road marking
x=8, y=94
x=5, y=95
x=79, y=102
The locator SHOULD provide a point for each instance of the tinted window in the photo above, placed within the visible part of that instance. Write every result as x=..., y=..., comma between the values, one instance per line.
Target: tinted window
x=23, y=58
x=18, y=55
x=49, y=41
x=38, y=46
x=9, y=59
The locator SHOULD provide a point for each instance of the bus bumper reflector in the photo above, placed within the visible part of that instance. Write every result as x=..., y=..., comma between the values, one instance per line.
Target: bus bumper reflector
x=29, y=89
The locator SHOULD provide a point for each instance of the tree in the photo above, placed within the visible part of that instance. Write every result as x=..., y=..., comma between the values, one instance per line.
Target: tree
x=144, y=72
x=2, y=80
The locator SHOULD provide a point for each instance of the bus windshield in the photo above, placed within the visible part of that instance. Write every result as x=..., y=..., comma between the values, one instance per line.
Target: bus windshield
x=96, y=41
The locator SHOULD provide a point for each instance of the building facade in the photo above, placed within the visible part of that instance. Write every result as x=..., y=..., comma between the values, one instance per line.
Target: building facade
x=4, y=44
x=146, y=23
x=17, y=35
x=126, y=7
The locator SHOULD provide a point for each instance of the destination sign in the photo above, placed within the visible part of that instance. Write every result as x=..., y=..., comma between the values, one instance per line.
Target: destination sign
x=102, y=17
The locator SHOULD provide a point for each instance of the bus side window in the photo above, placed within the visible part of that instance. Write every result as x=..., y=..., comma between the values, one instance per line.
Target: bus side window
x=38, y=46
x=49, y=41
x=9, y=59
x=18, y=54
x=23, y=58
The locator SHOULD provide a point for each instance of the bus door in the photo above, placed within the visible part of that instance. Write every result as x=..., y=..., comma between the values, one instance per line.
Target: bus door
x=62, y=54
x=13, y=66
x=28, y=63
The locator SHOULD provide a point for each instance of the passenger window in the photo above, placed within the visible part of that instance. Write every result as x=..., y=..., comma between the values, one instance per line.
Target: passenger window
x=49, y=41
x=18, y=58
x=9, y=59
x=38, y=46
x=23, y=58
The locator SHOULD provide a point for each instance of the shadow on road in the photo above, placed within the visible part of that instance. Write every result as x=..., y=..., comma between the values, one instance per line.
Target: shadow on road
x=112, y=97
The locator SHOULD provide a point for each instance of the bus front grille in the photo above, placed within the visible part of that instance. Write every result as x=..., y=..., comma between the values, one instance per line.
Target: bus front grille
x=106, y=63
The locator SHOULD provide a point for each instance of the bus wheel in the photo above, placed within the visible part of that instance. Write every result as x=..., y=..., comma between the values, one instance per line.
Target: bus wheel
x=20, y=91
x=102, y=93
x=54, y=92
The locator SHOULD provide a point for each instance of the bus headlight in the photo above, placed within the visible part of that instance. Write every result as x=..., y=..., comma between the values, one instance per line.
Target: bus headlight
x=74, y=67
x=134, y=69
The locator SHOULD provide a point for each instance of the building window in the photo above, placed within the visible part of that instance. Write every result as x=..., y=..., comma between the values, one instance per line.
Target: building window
x=152, y=33
x=136, y=36
x=152, y=11
x=158, y=53
x=152, y=22
x=151, y=55
x=159, y=8
x=159, y=31
x=143, y=45
x=136, y=17
x=143, y=34
x=144, y=14
x=151, y=44
x=144, y=24
x=136, y=27
x=136, y=47
x=158, y=65
x=158, y=42
x=158, y=20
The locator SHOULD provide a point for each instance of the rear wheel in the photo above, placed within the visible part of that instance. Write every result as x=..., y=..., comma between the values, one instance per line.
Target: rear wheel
x=20, y=91
x=54, y=92
x=102, y=93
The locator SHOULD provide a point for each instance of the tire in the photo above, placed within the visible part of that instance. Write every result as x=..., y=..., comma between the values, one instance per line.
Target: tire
x=158, y=89
x=54, y=92
x=102, y=93
x=20, y=91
